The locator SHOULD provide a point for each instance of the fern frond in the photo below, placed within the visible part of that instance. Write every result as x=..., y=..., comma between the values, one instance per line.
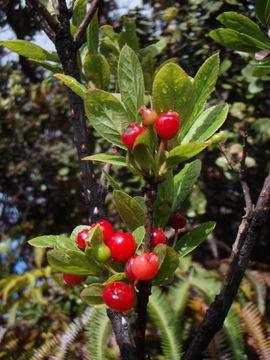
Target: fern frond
x=260, y=287
x=209, y=287
x=72, y=331
x=46, y=349
x=97, y=331
x=234, y=333
x=179, y=294
x=253, y=321
x=162, y=315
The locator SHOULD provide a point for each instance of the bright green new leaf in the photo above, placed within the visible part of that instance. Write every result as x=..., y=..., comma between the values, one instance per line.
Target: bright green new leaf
x=173, y=90
x=168, y=261
x=131, y=82
x=97, y=70
x=204, y=83
x=184, y=181
x=107, y=115
x=237, y=41
x=194, y=238
x=113, y=159
x=184, y=152
x=53, y=241
x=78, y=12
x=244, y=25
x=92, y=35
x=206, y=124
x=72, y=83
x=92, y=294
x=75, y=232
x=72, y=262
x=139, y=234
x=129, y=210
x=28, y=49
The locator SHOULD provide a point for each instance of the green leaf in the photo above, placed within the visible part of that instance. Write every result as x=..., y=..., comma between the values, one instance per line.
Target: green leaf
x=168, y=261
x=141, y=202
x=54, y=241
x=194, y=238
x=164, y=200
x=95, y=236
x=184, y=181
x=92, y=294
x=49, y=66
x=206, y=124
x=139, y=234
x=173, y=90
x=114, y=184
x=184, y=152
x=97, y=70
x=107, y=115
x=72, y=83
x=113, y=159
x=78, y=12
x=75, y=232
x=129, y=210
x=204, y=83
x=244, y=25
x=237, y=41
x=154, y=49
x=72, y=262
x=115, y=277
x=28, y=49
x=131, y=82
x=262, y=8
x=129, y=36
x=92, y=35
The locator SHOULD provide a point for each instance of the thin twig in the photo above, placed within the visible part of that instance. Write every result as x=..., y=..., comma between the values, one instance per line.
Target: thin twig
x=218, y=310
x=79, y=37
x=241, y=171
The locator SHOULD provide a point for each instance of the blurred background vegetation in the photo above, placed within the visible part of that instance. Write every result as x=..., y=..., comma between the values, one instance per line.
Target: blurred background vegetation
x=40, y=189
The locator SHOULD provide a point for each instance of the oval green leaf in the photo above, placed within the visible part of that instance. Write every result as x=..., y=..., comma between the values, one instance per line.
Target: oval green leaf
x=131, y=82
x=97, y=70
x=53, y=241
x=194, y=238
x=72, y=83
x=129, y=210
x=92, y=294
x=184, y=152
x=107, y=115
x=113, y=159
x=168, y=260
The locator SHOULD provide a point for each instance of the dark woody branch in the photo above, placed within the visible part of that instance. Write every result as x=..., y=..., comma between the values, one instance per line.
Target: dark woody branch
x=218, y=310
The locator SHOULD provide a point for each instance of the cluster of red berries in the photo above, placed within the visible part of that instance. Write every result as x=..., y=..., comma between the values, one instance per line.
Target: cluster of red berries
x=120, y=247
x=167, y=126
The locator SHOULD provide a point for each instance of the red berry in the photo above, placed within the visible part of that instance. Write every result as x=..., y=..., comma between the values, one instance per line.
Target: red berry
x=145, y=266
x=71, y=279
x=82, y=236
x=118, y=296
x=122, y=246
x=106, y=229
x=177, y=220
x=158, y=237
x=149, y=116
x=131, y=133
x=167, y=125
x=128, y=270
